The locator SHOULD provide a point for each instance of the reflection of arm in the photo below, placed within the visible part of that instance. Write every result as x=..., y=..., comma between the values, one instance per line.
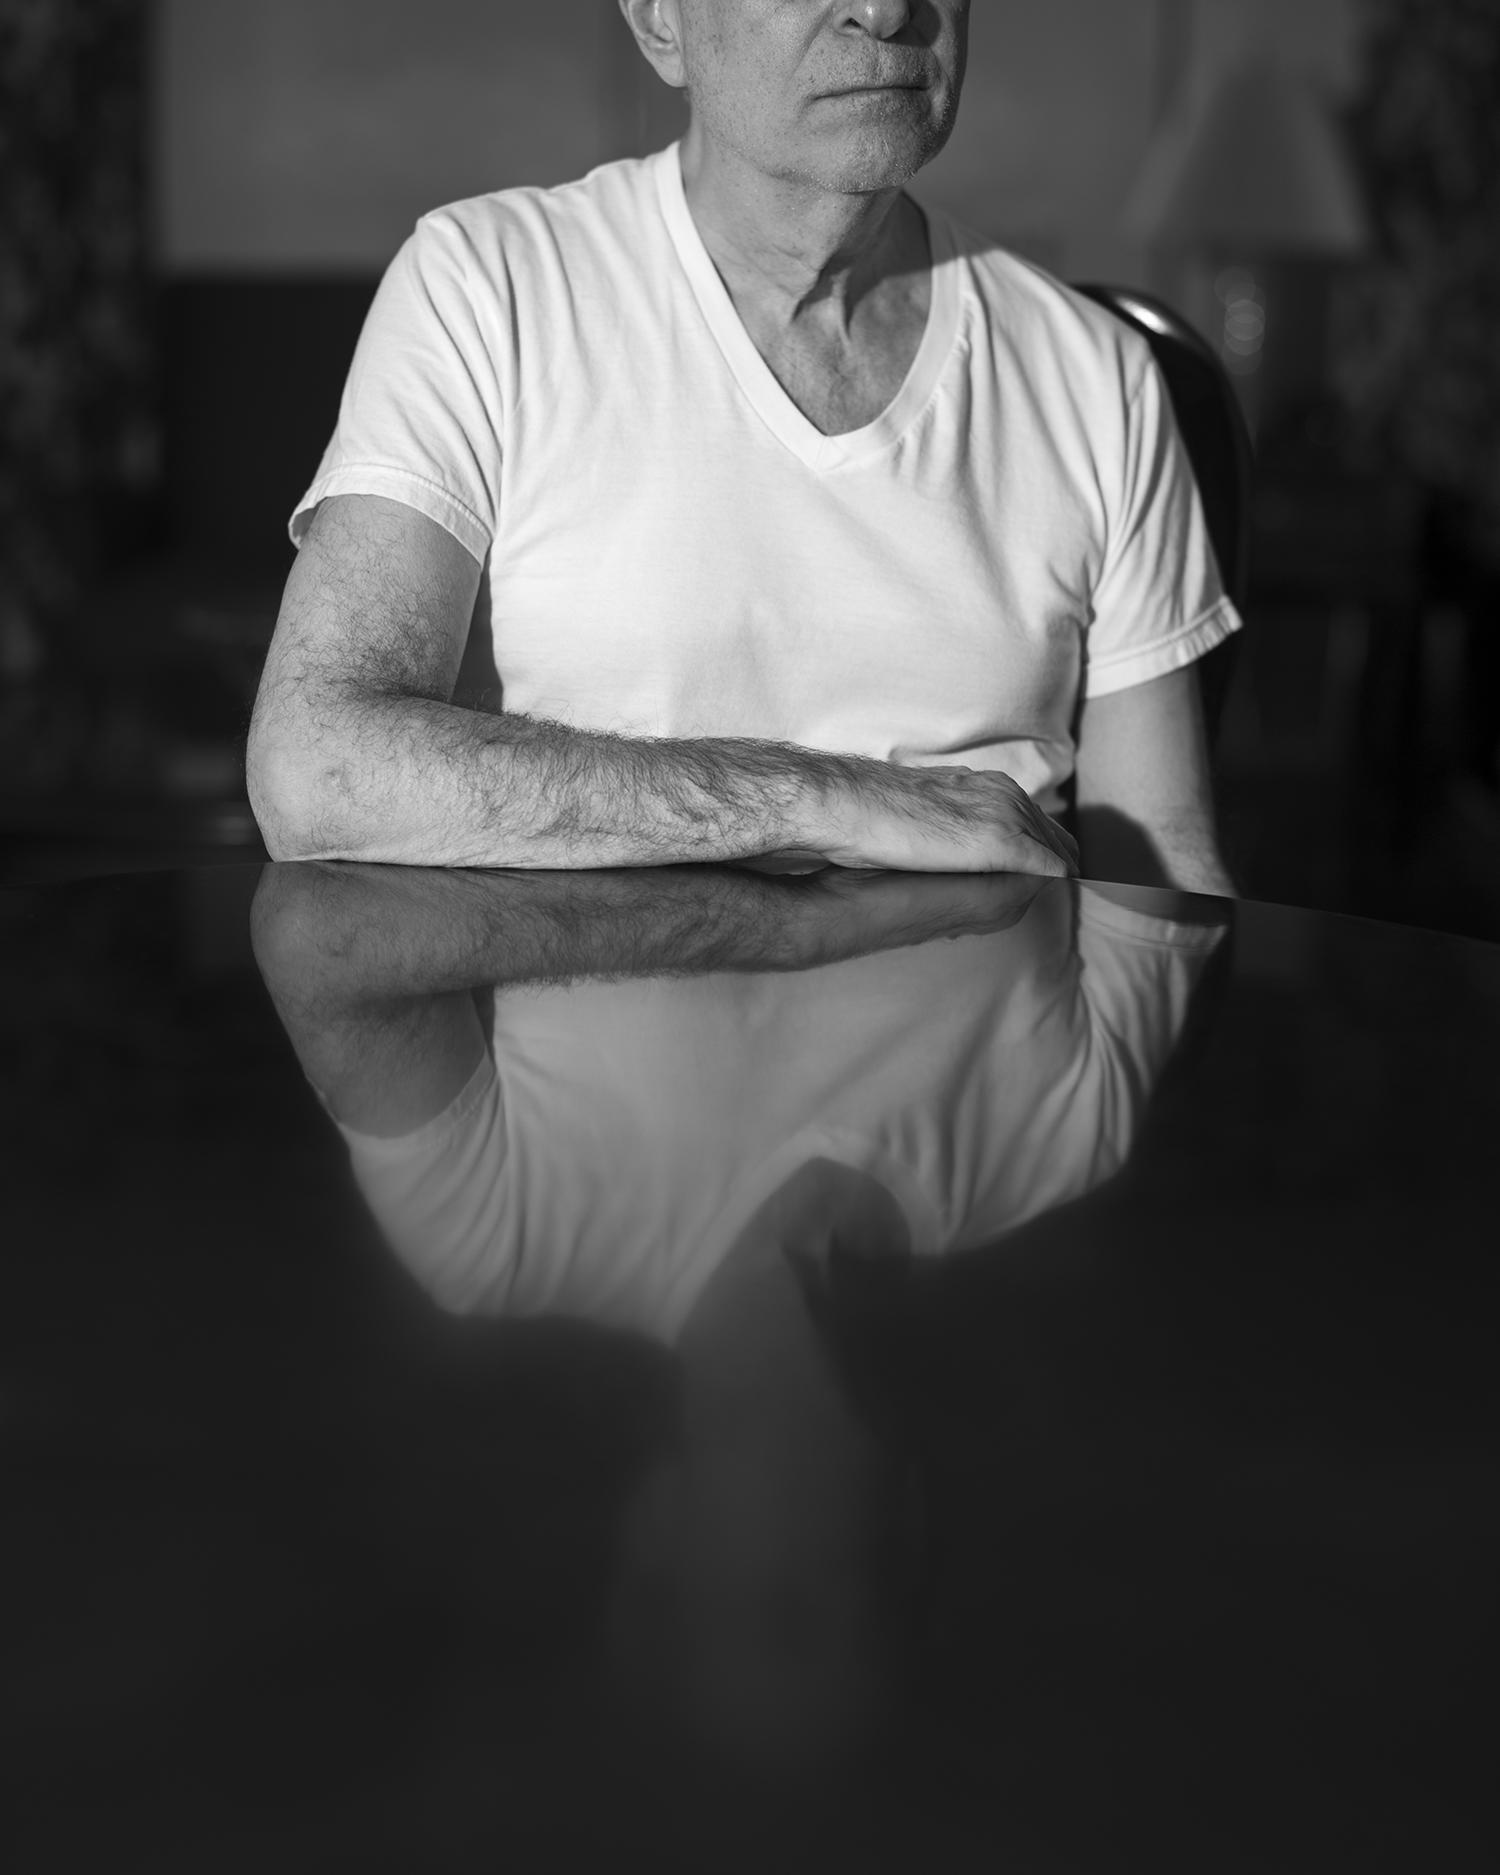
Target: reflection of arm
x=372, y=968
x=1143, y=955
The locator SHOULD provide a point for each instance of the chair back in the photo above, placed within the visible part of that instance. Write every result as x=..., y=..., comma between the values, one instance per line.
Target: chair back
x=1217, y=439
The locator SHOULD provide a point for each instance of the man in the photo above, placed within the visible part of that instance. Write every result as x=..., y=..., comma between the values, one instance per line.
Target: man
x=807, y=525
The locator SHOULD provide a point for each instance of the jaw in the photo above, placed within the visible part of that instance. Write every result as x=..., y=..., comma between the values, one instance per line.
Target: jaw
x=839, y=146
x=859, y=145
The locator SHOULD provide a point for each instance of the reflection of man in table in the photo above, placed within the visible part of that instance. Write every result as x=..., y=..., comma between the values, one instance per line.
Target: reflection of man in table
x=700, y=1096
x=667, y=1051
x=802, y=518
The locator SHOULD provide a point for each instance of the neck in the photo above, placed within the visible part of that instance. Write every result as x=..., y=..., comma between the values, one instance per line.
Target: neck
x=790, y=249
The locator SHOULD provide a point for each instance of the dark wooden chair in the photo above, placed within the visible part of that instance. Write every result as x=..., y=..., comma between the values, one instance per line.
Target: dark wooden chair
x=1217, y=440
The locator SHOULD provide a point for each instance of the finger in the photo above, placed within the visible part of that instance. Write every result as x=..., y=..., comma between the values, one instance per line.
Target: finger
x=1029, y=857
x=1058, y=848
x=1066, y=844
x=786, y=860
x=1059, y=866
x=1058, y=838
x=1013, y=905
x=1000, y=899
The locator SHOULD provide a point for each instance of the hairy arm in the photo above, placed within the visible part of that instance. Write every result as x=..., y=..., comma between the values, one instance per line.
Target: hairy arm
x=372, y=968
x=1145, y=795
x=357, y=750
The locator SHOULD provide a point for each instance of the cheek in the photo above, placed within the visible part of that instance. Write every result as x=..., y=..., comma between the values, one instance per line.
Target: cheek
x=733, y=64
x=743, y=105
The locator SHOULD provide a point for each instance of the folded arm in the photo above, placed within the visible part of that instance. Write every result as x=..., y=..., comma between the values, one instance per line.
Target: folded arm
x=357, y=750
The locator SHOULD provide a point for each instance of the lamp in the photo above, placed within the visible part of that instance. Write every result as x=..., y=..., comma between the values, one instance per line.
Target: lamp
x=1252, y=187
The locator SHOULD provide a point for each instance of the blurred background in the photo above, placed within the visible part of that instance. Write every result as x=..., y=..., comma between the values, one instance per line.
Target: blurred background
x=197, y=198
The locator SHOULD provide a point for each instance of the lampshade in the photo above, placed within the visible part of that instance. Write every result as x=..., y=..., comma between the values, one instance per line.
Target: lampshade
x=1259, y=167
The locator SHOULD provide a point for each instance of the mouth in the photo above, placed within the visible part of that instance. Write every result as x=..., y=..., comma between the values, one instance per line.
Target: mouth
x=856, y=91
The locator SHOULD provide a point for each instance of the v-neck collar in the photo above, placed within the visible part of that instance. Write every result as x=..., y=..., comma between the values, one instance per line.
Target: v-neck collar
x=755, y=377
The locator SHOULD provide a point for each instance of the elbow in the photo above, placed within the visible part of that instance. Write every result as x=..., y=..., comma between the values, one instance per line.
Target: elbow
x=280, y=796
x=292, y=789
x=305, y=935
x=283, y=934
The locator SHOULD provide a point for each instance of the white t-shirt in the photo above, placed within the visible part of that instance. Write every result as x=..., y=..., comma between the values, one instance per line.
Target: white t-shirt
x=603, y=1163
x=559, y=378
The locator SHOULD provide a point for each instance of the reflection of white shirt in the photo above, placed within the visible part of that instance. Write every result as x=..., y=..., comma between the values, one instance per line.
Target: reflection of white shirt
x=559, y=378
x=605, y=1160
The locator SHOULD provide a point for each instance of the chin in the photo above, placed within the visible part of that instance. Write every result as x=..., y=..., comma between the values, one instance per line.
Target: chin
x=881, y=156
x=871, y=171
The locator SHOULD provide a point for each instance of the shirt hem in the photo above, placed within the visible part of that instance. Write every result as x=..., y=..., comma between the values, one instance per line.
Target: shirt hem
x=401, y=1148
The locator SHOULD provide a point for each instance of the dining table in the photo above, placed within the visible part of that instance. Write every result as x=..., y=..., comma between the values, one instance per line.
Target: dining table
x=688, y=1368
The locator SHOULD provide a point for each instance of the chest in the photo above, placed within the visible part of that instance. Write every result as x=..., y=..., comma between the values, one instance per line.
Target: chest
x=682, y=553
x=843, y=381
x=840, y=388
x=681, y=511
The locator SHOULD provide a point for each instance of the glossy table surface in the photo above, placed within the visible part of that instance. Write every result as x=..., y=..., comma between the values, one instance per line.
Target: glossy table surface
x=698, y=1370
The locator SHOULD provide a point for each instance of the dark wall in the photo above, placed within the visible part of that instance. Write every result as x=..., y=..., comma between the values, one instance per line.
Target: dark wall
x=254, y=365
x=78, y=435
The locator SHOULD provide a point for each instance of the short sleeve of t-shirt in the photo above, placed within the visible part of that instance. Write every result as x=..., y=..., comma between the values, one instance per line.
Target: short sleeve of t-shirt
x=438, y=1195
x=420, y=418
x=1159, y=602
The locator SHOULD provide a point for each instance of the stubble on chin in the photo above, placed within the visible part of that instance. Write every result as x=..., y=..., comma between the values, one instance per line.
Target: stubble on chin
x=884, y=159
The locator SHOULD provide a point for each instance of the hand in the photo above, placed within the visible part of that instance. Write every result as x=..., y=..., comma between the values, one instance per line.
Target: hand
x=786, y=862
x=853, y=912
x=892, y=909
x=944, y=820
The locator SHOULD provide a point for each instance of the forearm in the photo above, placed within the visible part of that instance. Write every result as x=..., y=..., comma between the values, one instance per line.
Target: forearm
x=1173, y=852
x=1191, y=859
x=408, y=780
x=372, y=968
x=1145, y=790
x=337, y=772
x=344, y=937
x=380, y=934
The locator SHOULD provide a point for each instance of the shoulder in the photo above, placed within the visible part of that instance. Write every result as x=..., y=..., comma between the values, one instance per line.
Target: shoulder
x=531, y=230
x=1043, y=324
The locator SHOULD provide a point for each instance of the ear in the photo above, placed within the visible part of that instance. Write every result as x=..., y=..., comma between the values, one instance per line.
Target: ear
x=657, y=26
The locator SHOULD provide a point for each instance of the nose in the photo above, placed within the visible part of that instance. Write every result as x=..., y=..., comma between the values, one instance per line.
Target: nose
x=881, y=19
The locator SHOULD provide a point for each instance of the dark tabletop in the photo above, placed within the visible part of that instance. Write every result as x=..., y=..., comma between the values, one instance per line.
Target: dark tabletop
x=708, y=1371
